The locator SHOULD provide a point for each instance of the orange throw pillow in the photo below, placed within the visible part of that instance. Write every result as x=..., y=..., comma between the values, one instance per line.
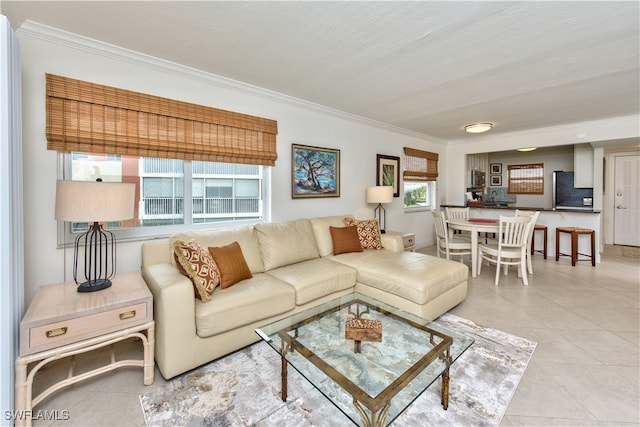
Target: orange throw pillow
x=345, y=239
x=231, y=263
x=368, y=232
x=196, y=263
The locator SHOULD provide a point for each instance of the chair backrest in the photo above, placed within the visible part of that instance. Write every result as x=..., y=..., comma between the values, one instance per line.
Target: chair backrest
x=514, y=231
x=534, y=217
x=440, y=224
x=457, y=213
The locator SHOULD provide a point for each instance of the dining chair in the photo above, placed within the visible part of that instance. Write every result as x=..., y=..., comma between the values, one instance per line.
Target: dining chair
x=529, y=214
x=457, y=213
x=511, y=246
x=449, y=244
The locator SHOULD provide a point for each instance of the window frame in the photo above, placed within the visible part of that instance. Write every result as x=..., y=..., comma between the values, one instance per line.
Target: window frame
x=420, y=167
x=431, y=191
x=66, y=237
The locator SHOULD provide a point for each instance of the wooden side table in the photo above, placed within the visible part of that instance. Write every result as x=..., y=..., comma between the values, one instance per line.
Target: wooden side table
x=60, y=322
x=408, y=240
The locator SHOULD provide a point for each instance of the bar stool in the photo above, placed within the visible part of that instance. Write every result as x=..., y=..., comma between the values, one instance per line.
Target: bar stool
x=575, y=232
x=543, y=251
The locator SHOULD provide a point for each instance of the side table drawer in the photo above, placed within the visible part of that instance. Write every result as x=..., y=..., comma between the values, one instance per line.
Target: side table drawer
x=409, y=241
x=55, y=334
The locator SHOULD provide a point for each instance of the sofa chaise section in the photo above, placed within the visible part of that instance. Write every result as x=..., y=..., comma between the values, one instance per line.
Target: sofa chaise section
x=423, y=285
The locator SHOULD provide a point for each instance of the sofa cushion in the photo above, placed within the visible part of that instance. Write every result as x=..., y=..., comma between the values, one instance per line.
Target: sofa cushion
x=246, y=302
x=245, y=236
x=368, y=231
x=345, y=239
x=284, y=243
x=417, y=277
x=231, y=264
x=321, y=226
x=197, y=264
x=315, y=278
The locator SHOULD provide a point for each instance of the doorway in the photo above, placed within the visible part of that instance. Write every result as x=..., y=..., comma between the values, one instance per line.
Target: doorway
x=626, y=198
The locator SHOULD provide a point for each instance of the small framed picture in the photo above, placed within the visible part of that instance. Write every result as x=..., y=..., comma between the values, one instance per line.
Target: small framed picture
x=495, y=168
x=388, y=172
x=495, y=180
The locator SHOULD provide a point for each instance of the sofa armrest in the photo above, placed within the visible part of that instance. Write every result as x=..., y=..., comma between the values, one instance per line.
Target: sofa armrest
x=174, y=313
x=392, y=243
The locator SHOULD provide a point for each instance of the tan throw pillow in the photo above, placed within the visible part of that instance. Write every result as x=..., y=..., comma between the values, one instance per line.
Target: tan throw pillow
x=368, y=232
x=231, y=263
x=345, y=239
x=198, y=265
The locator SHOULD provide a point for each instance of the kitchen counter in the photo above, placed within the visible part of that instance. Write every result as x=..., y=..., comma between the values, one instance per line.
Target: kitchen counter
x=524, y=208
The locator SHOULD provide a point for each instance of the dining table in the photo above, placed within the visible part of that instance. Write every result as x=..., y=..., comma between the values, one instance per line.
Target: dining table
x=474, y=226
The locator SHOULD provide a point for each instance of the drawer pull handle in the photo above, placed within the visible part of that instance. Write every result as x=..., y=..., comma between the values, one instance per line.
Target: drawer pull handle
x=127, y=315
x=56, y=332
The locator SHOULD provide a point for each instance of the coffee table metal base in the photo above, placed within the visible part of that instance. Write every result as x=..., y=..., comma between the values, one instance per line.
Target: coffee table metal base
x=374, y=386
x=377, y=414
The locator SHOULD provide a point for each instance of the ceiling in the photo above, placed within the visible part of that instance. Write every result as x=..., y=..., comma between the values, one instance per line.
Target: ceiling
x=429, y=67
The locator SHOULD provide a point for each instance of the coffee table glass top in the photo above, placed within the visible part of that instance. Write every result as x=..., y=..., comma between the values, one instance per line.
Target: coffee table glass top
x=379, y=382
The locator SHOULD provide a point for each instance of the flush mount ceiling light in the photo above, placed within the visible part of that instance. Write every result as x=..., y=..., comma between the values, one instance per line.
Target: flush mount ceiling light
x=478, y=127
x=526, y=149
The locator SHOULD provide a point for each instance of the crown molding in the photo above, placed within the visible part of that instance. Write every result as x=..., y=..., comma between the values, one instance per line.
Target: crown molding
x=57, y=36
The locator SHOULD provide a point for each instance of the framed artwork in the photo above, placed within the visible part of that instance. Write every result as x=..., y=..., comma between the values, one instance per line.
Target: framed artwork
x=495, y=168
x=495, y=180
x=388, y=172
x=315, y=172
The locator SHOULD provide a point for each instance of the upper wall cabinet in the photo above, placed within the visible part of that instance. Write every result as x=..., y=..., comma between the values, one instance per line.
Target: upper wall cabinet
x=583, y=166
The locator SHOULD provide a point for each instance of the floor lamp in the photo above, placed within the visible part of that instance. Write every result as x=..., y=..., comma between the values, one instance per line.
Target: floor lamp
x=94, y=202
x=380, y=194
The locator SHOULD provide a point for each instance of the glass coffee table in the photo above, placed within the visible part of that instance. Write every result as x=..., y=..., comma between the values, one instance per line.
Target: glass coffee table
x=389, y=359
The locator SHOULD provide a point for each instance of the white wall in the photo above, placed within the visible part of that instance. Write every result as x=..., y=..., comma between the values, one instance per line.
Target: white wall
x=45, y=51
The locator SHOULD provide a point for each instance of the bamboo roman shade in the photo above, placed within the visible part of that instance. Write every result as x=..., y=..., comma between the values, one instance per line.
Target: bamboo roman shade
x=92, y=118
x=420, y=165
x=526, y=179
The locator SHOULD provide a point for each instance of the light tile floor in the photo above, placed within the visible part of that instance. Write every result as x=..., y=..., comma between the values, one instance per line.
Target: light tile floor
x=584, y=371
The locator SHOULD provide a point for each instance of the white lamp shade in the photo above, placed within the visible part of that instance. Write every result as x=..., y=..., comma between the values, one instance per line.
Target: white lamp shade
x=380, y=194
x=89, y=201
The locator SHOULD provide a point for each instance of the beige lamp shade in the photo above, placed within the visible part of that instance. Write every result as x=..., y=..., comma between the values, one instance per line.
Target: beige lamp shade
x=90, y=201
x=380, y=194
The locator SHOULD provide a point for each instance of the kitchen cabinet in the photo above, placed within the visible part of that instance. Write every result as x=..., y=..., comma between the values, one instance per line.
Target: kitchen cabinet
x=583, y=166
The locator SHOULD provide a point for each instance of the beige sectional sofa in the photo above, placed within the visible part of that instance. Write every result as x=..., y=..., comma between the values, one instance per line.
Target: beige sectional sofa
x=293, y=268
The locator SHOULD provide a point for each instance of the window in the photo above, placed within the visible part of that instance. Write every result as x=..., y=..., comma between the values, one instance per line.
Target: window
x=526, y=179
x=419, y=179
x=172, y=194
x=191, y=164
x=419, y=195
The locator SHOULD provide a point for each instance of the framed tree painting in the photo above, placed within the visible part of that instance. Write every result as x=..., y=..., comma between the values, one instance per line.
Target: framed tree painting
x=315, y=172
x=388, y=172
x=496, y=180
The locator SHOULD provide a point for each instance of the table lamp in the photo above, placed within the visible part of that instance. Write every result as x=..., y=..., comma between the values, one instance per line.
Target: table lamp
x=94, y=202
x=380, y=194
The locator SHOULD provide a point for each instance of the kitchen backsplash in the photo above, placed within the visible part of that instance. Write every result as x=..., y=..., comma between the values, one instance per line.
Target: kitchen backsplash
x=499, y=194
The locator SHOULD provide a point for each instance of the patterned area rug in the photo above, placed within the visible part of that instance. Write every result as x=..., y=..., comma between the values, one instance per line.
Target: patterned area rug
x=243, y=389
